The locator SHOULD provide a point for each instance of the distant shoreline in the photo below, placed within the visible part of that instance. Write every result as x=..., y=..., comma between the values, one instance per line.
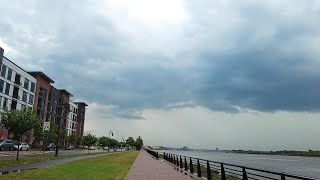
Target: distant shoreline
x=309, y=153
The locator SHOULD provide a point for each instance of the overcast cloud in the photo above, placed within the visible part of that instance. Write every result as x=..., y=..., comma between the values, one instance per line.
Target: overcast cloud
x=241, y=74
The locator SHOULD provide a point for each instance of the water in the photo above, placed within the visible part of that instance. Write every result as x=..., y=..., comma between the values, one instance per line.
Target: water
x=303, y=166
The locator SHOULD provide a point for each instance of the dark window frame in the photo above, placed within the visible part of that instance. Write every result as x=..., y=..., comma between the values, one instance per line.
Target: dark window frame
x=33, y=86
x=2, y=84
x=26, y=82
x=3, y=70
x=9, y=74
x=24, y=96
x=7, y=89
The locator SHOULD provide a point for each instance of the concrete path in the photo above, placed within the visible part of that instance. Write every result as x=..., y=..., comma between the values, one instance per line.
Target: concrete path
x=46, y=164
x=146, y=167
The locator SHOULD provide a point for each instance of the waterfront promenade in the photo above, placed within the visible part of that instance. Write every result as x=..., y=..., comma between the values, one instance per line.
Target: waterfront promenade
x=146, y=167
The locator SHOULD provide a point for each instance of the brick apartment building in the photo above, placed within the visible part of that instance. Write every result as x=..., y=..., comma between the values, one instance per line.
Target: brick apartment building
x=20, y=89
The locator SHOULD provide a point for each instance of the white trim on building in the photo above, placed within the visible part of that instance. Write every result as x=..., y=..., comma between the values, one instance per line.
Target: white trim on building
x=72, y=119
x=14, y=91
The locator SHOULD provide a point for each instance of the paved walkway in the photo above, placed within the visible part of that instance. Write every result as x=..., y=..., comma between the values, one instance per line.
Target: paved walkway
x=46, y=164
x=145, y=168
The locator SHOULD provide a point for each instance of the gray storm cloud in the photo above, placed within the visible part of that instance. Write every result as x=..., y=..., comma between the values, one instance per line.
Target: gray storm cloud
x=262, y=55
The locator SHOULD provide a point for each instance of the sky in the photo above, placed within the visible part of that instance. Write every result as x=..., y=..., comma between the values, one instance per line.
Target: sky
x=205, y=74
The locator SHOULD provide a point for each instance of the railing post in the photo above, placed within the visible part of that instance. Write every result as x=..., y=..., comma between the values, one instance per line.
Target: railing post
x=244, y=174
x=181, y=164
x=198, y=168
x=283, y=177
x=185, y=164
x=223, y=174
x=178, y=161
x=174, y=159
x=171, y=158
x=191, y=166
x=209, y=177
x=157, y=155
x=164, y=156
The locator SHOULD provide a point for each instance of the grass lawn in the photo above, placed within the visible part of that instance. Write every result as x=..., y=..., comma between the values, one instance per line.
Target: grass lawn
x=32, y=160
x=114, y=166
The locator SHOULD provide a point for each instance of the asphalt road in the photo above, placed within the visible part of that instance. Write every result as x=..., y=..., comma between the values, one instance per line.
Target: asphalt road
x=6, y=155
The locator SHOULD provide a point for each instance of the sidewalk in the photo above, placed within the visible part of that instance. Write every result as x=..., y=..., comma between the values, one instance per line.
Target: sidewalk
x=145, y=167
x=46, y=164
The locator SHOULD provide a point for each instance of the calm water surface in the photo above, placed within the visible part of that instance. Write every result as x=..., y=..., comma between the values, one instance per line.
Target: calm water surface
x=305, y=166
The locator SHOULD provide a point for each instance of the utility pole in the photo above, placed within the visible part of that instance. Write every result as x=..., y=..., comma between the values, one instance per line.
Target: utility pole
x=63, y=112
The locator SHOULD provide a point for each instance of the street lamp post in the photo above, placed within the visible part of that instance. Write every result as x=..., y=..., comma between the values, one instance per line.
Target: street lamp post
x=122, y=141
x=110, y=132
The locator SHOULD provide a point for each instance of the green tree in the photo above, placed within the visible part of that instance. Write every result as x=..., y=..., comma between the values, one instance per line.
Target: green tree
x=63, y=136
x=113, y=143
x=51, y=136
x=130, y=142
x=72, y=139
x=78, y=141
x=37, y=134
x=138, y=143
x=89, y=140
x=104, y=141
x=19, y=122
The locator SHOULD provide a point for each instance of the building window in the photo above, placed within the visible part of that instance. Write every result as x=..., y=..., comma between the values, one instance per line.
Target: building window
x=31, y=99
x=13, y=105
x=5, y=102
x=26, y=84
x=9, y=75
x=24, y=96
x=32, y=87
x=7, y=89
x=42, y=98
x=3, y=70
x=1, y=86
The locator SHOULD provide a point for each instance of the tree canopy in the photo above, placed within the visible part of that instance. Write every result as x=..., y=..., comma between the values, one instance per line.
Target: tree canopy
x=89, y=140
x=104, y=141
x=130, y=142
x=20, y=122
x=139, y=143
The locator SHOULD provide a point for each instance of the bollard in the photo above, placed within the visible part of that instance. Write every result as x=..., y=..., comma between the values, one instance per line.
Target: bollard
x=181, y=164
x=283, y=177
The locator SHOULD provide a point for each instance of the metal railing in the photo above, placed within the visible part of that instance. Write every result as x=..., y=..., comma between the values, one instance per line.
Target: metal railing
x=219, y=170
x=153, y=153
